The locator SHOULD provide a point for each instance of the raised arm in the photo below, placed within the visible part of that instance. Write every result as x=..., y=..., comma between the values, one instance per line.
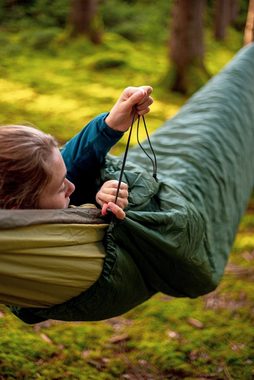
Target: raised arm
x=85, y=153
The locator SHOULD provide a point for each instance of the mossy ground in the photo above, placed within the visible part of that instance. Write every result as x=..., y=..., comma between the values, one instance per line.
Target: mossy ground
x=58, y=85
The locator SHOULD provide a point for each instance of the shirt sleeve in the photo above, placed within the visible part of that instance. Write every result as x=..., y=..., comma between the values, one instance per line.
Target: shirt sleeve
x=84, y=155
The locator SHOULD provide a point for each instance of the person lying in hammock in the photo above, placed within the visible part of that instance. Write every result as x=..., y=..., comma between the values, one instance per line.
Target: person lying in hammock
x=178, y=231
x=34, y=174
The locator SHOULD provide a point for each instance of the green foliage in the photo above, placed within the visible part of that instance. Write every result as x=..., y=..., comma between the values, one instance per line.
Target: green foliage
x=50, y=13
x=240, y=21
x=134, y=20
x=45, y=13
x=41, y=39
x=137, y=20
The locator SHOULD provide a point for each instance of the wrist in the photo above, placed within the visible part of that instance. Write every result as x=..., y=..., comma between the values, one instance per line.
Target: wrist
x=111, y=132
x=111, y=124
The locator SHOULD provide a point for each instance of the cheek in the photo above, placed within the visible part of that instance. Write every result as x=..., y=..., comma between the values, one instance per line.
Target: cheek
x=63, y=200
x=58, y=201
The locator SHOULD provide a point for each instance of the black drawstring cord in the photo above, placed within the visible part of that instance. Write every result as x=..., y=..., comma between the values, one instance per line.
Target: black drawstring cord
x=154, y=161
x=124, y=158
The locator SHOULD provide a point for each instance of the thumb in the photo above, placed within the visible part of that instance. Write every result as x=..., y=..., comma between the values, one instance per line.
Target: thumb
x=104, y=209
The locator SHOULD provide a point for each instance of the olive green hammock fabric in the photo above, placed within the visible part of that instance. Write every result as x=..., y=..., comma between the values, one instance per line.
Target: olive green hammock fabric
x=47, y=257
x=179, y=231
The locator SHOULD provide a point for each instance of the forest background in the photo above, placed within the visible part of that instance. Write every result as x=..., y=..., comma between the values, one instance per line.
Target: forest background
x=62, y=63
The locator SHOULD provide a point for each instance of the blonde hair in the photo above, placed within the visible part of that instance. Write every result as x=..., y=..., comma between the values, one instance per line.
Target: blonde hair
x=24, y=165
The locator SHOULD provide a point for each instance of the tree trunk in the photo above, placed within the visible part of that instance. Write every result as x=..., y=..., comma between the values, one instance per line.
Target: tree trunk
x=186, y=42
x=222, y=18
x=249, y=28
x=234, y=10
x=84, y=19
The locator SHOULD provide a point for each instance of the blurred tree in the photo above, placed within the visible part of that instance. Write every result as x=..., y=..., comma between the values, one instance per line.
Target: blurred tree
x=225, y=13
x=223, y=16
x=85, y=20
x=249, y=28
x=234, y=10
x=186, y=46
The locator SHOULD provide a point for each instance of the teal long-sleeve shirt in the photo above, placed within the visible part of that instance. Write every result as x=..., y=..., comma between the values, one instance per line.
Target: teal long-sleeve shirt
x=84, y=155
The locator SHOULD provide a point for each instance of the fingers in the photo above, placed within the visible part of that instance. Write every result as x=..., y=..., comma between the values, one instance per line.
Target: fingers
x=143, y=108
x=132, y=100
x=106, y=198
x=113, y=184
x=108, y=191
x=137, y=91
x=139, y=97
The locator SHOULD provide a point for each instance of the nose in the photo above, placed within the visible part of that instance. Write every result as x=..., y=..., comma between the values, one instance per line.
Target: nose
x=70, y=188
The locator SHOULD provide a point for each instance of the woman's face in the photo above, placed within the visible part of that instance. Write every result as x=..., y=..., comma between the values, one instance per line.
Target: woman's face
x=57, y=192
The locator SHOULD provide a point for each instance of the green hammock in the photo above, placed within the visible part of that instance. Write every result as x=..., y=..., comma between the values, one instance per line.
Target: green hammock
x=178, y=232
x=49, y=257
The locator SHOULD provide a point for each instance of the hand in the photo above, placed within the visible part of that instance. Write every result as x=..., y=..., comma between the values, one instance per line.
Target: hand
x=106, y=198
x=132, y=100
